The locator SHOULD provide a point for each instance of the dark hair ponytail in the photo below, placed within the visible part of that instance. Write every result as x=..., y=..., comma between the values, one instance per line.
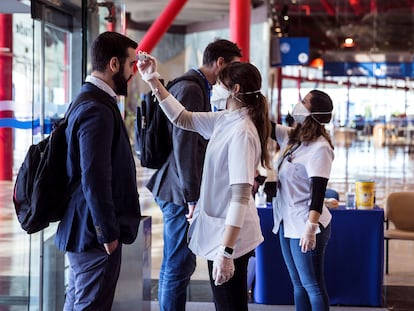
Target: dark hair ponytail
x=259, y=112
x=249, y=79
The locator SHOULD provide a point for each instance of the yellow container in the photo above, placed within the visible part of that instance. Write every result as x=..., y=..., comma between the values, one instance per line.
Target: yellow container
x=365, y=194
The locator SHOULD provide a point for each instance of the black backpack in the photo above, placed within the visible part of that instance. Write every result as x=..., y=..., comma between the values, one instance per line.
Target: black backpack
x=153, y=142
x=41, y=190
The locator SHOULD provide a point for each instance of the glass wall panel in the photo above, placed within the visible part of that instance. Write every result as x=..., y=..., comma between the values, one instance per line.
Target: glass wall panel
x=15, y=243
x=51, y=89
x=46, y=72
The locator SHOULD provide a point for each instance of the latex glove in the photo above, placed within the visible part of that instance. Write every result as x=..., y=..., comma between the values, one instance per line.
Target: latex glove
x=308, y=240
x=189, y=215
x=223, y=268
x=147, y=66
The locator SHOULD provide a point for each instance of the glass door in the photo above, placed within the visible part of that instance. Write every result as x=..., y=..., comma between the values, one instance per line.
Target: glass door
x=52, y=92
x=45, y=54
x=57, y=75
x=49, y=54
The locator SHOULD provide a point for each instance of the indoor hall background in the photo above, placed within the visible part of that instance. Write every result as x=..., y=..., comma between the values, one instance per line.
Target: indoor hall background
x=377, y=23
x=392, y=169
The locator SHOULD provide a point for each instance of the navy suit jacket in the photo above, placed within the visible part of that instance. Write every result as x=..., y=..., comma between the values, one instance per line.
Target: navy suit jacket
x=104, y=205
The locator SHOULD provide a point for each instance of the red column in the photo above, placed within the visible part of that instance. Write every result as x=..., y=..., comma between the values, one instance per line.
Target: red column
x=240, y=16
x=279, y=78
x=161, y=25
x=6, y=61
x=110, y=26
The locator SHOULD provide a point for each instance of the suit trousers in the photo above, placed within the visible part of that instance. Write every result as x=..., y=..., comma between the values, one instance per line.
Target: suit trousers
x=93, y=275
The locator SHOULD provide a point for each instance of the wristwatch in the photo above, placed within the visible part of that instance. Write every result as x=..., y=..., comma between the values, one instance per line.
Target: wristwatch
x=228, y=251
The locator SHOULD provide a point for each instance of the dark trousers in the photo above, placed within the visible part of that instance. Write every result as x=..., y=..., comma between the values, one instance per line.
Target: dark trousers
x=93, y=275
x=232, y=295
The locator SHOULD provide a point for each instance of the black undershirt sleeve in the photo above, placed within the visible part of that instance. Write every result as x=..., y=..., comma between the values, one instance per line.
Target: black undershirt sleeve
x=273, y=132
x=318, y=185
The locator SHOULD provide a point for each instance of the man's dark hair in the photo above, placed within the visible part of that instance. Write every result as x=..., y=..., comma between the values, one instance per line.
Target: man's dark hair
x=107, y=45
x=221, y=48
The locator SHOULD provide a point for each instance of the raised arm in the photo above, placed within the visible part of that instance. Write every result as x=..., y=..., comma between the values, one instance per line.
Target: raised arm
x=173, y=109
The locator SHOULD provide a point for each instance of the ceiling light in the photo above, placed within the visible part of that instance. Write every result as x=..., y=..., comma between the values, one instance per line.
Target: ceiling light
x=317, y=63
x=348, y=43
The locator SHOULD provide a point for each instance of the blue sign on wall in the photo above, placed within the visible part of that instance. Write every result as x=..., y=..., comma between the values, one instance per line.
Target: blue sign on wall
x=393, y=70
x=294, y=51
x=369, y=69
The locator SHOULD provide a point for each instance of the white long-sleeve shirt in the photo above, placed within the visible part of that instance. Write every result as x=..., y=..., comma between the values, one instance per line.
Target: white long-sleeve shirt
x=232, y=156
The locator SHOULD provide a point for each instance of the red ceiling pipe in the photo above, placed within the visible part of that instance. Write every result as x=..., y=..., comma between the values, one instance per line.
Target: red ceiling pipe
x=240, y=16
x=160, y=25
x=373, y=6
x=328, y=8
x=6, y=64
x=356, y=6
x=306, y=8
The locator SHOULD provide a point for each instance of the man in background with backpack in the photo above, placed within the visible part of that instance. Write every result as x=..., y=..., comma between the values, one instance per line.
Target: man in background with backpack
x=176, y=185
x=103, y=211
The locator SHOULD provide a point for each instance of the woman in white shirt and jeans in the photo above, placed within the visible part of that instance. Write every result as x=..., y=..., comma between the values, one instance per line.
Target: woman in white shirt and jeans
x=300, y=217
x=225, y=227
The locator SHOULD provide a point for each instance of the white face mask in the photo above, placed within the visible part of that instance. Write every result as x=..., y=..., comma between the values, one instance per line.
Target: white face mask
x=219, y=97
x=300, y=113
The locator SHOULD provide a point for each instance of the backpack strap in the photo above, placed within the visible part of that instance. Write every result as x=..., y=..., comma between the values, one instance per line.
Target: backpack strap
x=82, y=98
x=187, y=78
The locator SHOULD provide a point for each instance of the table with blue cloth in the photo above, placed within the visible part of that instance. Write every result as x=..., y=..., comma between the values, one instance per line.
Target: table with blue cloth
x=354, y=261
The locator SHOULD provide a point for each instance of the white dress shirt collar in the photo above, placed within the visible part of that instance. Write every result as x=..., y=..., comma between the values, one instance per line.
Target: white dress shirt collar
x=101, y=84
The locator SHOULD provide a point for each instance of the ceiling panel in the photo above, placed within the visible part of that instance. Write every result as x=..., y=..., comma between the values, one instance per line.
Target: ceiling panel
x=14, y=6
x=376, y=25
x=194, y=11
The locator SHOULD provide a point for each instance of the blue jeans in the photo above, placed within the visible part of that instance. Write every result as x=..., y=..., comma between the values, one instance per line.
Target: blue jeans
x=306, y=271
x=178, y=262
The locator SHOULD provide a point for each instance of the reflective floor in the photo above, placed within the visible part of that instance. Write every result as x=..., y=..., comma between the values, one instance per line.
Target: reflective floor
x=391, y=167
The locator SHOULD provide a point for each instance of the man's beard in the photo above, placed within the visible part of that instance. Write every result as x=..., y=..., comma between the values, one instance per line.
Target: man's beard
x=121, y=84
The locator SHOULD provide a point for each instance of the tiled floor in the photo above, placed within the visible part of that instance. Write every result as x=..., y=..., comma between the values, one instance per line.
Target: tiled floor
x=392, y=168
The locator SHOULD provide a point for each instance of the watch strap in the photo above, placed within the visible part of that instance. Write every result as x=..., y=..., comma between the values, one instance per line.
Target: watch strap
x=226, y=251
